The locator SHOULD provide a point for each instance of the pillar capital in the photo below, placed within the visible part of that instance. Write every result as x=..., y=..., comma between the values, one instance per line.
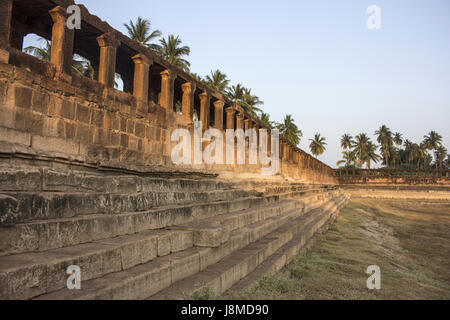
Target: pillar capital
x=230, y=110
x=141, y=76
x=58, y=14
x=189, y=87
x=169, y=74
x=219, y=104
x=142, y=59
x=108, y=40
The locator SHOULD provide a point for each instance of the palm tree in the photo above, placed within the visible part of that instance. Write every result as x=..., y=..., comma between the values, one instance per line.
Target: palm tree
x=140, y=31
x=433, y=141
x=347, y=142
x=289, y=130
x=385, y=140
x=218, y=81
x=79, y=64
x=42, y=53
x=440, y=155
x=349, y=159
x=172, y=51
x=365, y=150
x=398, y=138
x=251, y=102
x=236, y=93
x=265, y=119
x=317, y=145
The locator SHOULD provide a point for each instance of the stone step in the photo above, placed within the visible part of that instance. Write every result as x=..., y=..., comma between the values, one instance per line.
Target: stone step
x=104, y=256
x=51, y=205
x=44, y=235
x=146, y=279
x=28, y=275
x=24, y=178
x=222, y=275
x=284, y=255
x=215, y=231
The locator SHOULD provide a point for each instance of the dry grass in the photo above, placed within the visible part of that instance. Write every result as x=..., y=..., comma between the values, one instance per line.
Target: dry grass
x=409, y=241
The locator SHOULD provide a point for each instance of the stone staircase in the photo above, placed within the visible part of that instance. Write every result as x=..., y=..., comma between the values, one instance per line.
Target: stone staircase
x=146, y=237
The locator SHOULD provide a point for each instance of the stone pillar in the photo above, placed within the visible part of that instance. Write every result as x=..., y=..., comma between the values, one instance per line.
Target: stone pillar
x=62, y=41
x=107, y=68
x=187, y=103
x=218, y=114
x=167, y=89
x=205, y=101
x=247, y=124
x=239, y=120
x=6, y=7
x=230, y=118
x=141, y=76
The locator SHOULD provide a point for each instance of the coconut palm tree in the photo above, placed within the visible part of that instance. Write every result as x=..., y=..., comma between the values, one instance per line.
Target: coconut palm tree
x=433, y=141
x=236, y=93
x=398, y=138
x=79, y=64
x=173, y=51
x=218, y=81
x=365, y=150
x=265, y=119
x=289, y=130
x=42, y=53
x=251, y=102
x=347, y=142
x=349, y=159
x=440, y=155
x=140, y=31
x=317, y=145
x=384, y=138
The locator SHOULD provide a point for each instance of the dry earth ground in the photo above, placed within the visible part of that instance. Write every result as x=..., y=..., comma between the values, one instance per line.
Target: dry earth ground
x=408, y=239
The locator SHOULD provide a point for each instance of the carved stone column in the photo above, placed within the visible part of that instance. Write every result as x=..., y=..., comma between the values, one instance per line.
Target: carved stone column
x=141, y=76
x=205, y=101
x=230, y=118
x=62, y=41
x=218, y=114
x=167, y=89
x=108, y=51
x=239, y=120
x=187, y=103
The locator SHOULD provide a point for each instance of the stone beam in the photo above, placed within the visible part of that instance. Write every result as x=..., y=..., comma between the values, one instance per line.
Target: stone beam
x=218, y=114
x=108, y=51
x=187, y=103
x=167, y=89
x=141, y=76
x=62, y=41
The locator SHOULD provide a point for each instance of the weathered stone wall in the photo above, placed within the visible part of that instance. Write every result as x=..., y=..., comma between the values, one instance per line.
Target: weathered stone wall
x=393, y=177
x=47, y=109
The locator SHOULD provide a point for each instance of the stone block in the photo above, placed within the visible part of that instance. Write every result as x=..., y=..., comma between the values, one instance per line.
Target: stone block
x=22, y=97
x=55, y=145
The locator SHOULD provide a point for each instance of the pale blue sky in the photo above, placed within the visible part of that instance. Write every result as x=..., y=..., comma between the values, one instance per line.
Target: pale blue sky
x=317, y=60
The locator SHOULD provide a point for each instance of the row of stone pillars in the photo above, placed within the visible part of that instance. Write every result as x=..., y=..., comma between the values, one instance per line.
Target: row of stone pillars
x=62, y=51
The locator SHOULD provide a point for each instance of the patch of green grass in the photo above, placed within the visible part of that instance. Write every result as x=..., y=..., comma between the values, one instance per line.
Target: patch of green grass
x=203, y=294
